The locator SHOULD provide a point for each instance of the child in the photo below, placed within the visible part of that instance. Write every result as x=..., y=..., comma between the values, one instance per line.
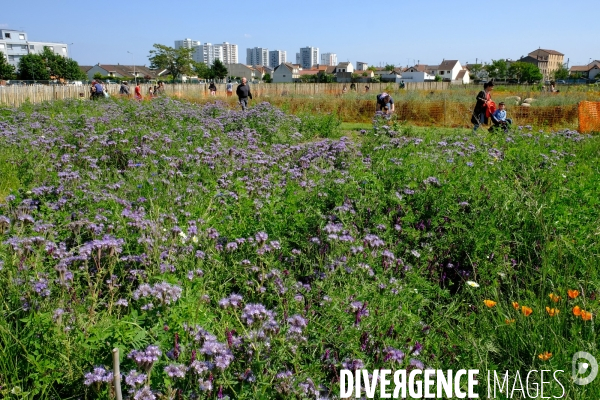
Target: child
x=499, y=118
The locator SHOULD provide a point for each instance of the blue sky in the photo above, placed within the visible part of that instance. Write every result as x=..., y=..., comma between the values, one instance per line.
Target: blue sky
x=397, y=33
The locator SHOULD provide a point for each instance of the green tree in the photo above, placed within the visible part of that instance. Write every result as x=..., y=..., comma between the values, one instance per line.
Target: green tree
x=372, y=68
x=202, y=70
x=267, y=78
x=525, y=72
x=7, y=71
x=497, y=69
x=324, y=77
x=390, y=67
x=561, y=73
x=218, y=69
x=32, y=67
x=437, y=78
x=97, y=75
x=177, y=62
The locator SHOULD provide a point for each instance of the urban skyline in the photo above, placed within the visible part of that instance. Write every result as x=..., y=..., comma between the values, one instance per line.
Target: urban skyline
x=449, y=34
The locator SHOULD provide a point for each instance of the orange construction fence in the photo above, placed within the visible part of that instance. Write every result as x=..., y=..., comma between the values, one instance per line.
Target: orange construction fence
x=589, y=116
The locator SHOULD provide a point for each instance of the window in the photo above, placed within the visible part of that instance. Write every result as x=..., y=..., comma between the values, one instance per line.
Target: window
x=441, y=72
x=31, y=47
x=23, y=47
x=64, y=50
x=9, y=46
x=22, y=36
x=11, y=58
x=284, y=76
x=7, y=35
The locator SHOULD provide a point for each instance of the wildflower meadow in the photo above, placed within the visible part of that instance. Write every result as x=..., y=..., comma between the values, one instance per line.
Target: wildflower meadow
x=254, y=255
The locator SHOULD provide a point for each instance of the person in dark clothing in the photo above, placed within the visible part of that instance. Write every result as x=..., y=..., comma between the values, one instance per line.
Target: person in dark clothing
x=243, y=93
x=124, y=90
x=385, y=103
x=483, y=97
x=213, y=89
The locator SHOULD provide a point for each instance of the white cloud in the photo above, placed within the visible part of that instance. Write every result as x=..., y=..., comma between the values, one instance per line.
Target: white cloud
x=247, y=35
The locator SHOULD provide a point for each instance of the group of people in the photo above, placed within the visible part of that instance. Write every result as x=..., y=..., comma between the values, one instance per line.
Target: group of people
x=485, y=111
x=243, y=92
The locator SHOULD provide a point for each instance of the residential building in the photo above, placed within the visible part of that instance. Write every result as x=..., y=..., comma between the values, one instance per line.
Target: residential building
x=276, y=57
x=417, y=73
x=257, y=56
x=230, y=53
x=16, y=44
x=344, y=67
x=241, y=71
x=329, y=59
x=286, y=72
x=361, y=66
x=122, y=71
x=589, y=71
x=187, y=43
x=307, y=57
x=260, y=71
x=208, y=53
x=548, y=61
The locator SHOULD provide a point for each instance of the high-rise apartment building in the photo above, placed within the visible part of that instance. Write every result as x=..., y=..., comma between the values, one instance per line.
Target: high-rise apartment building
x=257, y=56
x=187, y=43
x=230, y=53
x=276, y=57
x=329, y=59
x=309, y=56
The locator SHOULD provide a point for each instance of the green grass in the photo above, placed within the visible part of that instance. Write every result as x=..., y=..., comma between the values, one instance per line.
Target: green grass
x=431, y=208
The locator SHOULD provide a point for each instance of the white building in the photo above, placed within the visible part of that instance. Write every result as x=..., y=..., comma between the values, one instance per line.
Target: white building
x=208, y=53
x=15, y=44
x=276, y=57
x=329, y=59
x=286, y=73
x=230, y=53
x=361, y=66
x=307, y=57
x=257, y=56
x=187, y=43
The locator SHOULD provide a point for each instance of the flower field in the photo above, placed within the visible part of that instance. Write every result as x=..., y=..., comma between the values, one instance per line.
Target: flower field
x=253, y=255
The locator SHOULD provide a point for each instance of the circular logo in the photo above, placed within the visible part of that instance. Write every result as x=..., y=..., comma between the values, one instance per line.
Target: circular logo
x=581, y=368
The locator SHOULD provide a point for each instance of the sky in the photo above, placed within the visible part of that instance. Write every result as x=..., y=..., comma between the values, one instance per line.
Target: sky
x=379, y=33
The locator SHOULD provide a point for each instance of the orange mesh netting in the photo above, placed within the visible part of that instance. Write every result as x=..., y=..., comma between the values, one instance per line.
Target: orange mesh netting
x=589, y=116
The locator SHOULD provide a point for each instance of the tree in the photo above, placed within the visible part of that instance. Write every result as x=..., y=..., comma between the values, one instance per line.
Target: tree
x=7, y=71
x=561, y=73
x=218, y=69
x=202, y=70
x=267, y=78
x=497, y=69
x=177, y=62
x=97, y=75
x=49, y=65
x=32, y=67
x=525, y=72
x=437, y=78
x=476, y=71
x=372, y=68
x=389, y=67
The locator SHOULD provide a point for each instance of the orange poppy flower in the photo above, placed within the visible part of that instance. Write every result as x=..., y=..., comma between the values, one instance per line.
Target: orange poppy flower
x=545, y=356
x=576, y=311
x=515, y=305
x=509, y=321
x=573, y=294
x=526, y=311
x=586, y=315
x=554, y=297
x=490, y=303
x=552, y=311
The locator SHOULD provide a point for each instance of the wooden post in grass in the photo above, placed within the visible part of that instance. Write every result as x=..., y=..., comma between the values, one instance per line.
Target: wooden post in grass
x=117, y=374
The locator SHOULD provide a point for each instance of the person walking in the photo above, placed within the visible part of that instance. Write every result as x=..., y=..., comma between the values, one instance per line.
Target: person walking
x=213, y=89
x=484, y=98
x=138, y=92
x=229, y=88
x=124, y=90
x=243, y=93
